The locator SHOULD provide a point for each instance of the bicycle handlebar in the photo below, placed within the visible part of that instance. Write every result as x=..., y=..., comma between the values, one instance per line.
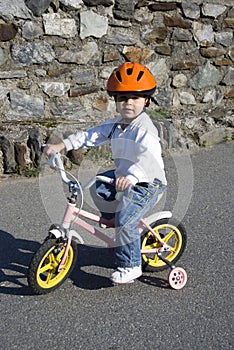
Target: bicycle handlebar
x=55, y=161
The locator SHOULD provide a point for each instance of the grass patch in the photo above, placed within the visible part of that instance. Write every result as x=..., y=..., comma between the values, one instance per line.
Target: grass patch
x=160, y=114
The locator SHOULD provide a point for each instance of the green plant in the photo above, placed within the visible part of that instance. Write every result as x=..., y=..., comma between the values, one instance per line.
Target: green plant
x=49, y=122
x=204, y=144
x=196, y=137
x=160, y=114
x=99, y=154
x=31, y=171
x=18, y=169
x=229, y=138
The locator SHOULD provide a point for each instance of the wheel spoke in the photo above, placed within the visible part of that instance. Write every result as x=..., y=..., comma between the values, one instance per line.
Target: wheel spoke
x=59, y=256
x=52, y=258
x=49, y=276
x=51, y=265
x=172, y=249
x=47, y=267
x=168, y=236
x=156, y=258
x=150, y=246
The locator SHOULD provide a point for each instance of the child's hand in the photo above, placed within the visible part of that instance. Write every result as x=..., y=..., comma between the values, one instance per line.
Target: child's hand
x=49, y=148
x=122, y=183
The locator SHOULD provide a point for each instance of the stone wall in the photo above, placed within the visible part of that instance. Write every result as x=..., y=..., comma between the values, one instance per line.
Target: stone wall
x=55, y=58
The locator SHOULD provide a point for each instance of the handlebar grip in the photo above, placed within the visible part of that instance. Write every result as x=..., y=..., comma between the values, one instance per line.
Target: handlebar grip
x=105, y=179
x=43, y=147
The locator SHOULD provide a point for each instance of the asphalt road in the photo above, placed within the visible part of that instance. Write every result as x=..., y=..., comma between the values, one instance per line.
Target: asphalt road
x=87, y=312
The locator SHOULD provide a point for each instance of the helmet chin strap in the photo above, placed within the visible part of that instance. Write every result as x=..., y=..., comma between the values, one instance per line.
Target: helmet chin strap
x=147, y=101
x=153, y=99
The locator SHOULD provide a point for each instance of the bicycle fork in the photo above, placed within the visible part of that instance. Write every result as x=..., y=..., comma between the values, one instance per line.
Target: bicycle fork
x=65, y=254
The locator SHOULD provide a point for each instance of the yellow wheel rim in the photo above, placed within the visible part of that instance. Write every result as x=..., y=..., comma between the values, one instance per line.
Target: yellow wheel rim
x=170, y=235
x=47, y=272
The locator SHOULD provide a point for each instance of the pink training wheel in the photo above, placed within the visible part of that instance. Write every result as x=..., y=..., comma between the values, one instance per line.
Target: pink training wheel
x=177, y=278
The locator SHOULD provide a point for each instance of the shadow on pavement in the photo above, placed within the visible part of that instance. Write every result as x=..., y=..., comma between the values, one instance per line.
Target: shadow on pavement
x=104, y=257
x=16, y=254
x=92, y=256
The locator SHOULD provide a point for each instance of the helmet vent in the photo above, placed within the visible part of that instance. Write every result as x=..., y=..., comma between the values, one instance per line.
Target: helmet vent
x=118, y=75
x=129, y=71
x=140, y=75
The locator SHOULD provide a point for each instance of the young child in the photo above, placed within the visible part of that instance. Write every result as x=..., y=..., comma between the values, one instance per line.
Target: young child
x=139, y=169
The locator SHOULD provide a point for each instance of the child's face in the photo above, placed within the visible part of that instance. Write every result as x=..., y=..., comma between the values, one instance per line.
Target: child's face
x=130, y=106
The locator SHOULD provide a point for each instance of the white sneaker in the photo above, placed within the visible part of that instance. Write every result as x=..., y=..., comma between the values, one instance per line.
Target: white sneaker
x=126, y=274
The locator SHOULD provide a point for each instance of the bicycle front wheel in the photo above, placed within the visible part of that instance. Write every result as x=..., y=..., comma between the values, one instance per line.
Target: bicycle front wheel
x=173, y=234
x=43, y=273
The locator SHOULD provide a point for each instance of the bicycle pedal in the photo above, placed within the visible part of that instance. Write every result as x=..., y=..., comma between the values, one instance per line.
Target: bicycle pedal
x=107, y=223
x=103, y=225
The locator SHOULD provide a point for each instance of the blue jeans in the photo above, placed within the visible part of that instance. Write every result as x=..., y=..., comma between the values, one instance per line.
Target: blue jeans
x=134, y=204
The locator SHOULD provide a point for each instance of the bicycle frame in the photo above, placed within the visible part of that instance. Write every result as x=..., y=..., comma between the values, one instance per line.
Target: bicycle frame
x=74, y=215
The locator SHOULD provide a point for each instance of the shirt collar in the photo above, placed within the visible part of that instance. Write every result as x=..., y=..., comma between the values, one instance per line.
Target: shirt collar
x=133, y=122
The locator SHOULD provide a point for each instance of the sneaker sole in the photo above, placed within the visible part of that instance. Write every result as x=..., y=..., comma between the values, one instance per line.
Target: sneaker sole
x=131, y=281
x=115, y=283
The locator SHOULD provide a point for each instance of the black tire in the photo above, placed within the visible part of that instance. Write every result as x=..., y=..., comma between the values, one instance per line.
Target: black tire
x=173, y=233
x=43, y=275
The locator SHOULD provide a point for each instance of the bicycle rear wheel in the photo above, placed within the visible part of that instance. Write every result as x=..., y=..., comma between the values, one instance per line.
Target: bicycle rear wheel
x=172, y=233
x=43, y=275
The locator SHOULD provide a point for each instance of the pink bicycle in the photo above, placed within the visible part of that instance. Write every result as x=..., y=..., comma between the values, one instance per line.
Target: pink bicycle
x=163, y=240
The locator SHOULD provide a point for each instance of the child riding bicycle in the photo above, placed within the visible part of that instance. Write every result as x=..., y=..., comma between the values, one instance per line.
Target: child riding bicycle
x=139, y=169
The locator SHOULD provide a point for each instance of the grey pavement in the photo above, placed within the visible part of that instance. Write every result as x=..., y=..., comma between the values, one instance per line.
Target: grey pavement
x=87, y=312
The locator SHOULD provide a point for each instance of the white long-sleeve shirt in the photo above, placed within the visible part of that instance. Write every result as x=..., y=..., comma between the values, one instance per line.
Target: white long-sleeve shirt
x=136, y=150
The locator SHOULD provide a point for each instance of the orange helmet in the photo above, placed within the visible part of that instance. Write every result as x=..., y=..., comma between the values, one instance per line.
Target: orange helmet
x=131, y=77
